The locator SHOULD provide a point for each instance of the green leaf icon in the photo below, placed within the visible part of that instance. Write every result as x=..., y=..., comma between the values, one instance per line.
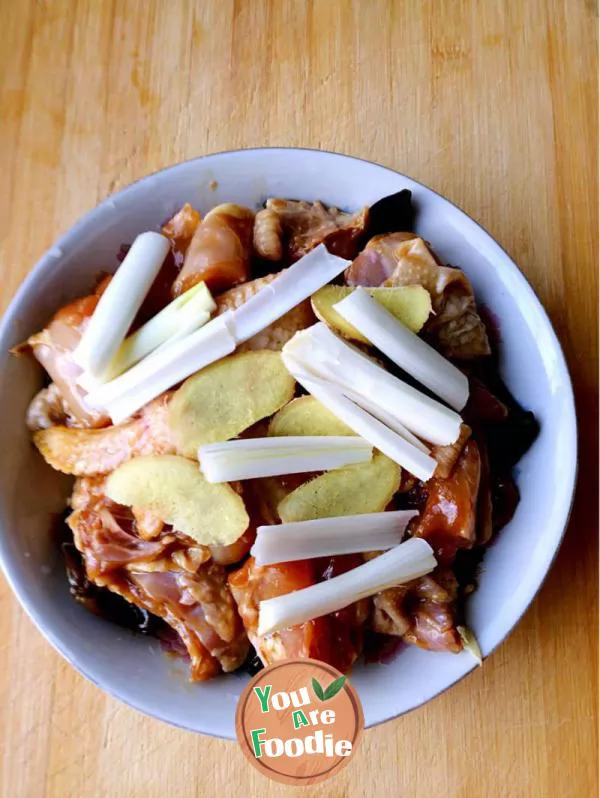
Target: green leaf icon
x=334, y=688
x=318, y=689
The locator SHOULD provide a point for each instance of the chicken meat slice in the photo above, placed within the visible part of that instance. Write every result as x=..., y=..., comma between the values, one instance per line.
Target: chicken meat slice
x=403, y=259
x=87, y=452
x=276, y=335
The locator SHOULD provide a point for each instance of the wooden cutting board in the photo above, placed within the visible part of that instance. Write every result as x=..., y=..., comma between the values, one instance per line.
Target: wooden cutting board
x=494, y=104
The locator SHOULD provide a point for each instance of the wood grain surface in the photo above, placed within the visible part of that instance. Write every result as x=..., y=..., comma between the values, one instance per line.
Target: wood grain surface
x=492, y=103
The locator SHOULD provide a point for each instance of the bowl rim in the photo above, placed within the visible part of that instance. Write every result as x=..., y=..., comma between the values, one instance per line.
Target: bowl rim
x=37, y=616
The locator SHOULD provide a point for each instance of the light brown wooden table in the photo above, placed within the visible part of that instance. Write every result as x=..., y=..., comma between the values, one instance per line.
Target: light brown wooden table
x=494, y=106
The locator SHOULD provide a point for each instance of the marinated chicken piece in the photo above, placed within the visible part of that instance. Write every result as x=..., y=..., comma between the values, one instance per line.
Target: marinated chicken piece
x=53, y=348
x=220, y=250
x=346, y=626
x=276, y=335
x=447, y=456
x=447, y=520
x=149, y=525
x=181, y=228
x=308, y=224
x=268, y=235
x=168, y=577
x=234, y=552
x=201, y=604
x=108, y=543
x=422, y=612
x=48, y=409
x=378, y=261
x=191, y=558
x=89, y=452
x=335, y=638
x=389, y=615
x=432, y=604
x=401, y=259
x=88, y=493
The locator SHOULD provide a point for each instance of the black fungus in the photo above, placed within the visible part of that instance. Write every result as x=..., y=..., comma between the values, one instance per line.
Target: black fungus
x=505, y=498
x=466, y=568
x=393, y=214
x=253, y=663
x=507, y=442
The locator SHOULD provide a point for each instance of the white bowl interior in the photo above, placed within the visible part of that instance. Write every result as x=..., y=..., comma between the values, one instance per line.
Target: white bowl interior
x=134, y=668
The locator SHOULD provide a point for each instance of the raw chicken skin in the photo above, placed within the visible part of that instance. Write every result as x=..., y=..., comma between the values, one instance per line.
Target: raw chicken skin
x=48, y=409
x=84, y=452
x=180, y=229
x=276, y=335
x=220, y=250
x=305, y=225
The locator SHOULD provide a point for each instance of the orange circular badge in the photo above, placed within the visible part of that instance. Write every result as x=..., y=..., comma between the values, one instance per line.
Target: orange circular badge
x=299, y=721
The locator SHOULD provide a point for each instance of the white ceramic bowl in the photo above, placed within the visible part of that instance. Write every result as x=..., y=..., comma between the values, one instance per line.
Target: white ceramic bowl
x=134, y=668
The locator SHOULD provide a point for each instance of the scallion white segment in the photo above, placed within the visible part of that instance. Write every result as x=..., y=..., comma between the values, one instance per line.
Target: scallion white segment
x=325, y=537
x=269, y=457
x=160, y=371
x=291, y=287
x=336, y=361
x=404, y=348
x=386, y=418
x=120, y=302
x=402, y=564
x=397, y=448
x=179, y=318
x=188, y=326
